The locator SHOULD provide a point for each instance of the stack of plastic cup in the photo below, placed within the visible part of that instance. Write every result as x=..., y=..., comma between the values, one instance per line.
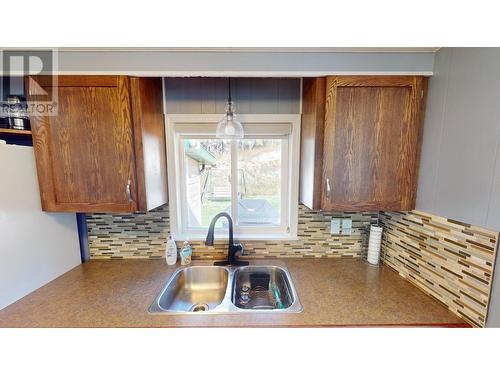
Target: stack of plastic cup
x=374, y=244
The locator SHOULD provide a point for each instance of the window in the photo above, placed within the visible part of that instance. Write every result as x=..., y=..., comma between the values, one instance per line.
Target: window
x=255, y=179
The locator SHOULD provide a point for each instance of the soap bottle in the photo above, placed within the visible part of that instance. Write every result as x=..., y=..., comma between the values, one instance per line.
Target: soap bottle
x=186, y=253
x=171, y=251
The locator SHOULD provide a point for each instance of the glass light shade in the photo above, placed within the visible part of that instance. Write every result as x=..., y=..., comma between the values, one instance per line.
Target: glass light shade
x=229, y=127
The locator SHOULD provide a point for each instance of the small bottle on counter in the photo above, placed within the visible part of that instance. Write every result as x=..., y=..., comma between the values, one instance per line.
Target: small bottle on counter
x=186, y=253
x=171, y=251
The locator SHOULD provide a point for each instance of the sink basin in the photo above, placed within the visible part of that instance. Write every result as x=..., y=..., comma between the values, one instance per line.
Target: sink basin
x=195, y=289
x=261, y=288
x=228, y=290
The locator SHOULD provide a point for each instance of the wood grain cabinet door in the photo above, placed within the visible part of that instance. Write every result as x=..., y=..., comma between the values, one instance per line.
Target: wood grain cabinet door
x=149, y=141
x=85, y=154
x=372, y=137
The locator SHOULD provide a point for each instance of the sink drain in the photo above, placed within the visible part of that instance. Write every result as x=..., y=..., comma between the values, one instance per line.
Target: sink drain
x=199, y=307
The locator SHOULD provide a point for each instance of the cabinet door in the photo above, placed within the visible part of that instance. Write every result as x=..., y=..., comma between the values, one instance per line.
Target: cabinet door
x=311, y=143
x=149, y=142
x=84, y=154
x=372, y=142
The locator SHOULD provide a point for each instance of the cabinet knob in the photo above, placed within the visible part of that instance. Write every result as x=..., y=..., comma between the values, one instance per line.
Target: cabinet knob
x=328, y=188
x=127, y=190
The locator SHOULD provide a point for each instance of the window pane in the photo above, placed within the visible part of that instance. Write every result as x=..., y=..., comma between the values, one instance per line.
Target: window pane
x=259, y=182
x=208, y=180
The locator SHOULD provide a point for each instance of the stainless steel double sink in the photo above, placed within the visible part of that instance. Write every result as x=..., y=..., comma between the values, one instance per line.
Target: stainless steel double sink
x=223, y=290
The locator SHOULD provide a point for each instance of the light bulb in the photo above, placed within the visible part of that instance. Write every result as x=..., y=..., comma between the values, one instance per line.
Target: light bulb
x=228, y=127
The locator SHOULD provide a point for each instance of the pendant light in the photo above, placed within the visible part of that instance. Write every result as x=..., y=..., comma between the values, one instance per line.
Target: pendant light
x=228, y=127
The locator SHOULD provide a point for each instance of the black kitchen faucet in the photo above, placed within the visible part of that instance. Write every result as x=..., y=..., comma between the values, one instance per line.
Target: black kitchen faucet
x=232, y=249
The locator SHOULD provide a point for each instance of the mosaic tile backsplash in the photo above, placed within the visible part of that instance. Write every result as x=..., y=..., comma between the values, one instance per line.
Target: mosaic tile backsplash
x=144, y=236
x=449, y=260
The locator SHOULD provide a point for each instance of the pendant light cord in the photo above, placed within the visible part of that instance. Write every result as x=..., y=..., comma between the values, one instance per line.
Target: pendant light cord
x=229, y=91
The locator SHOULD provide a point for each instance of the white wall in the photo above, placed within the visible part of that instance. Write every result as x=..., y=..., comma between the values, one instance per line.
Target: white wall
x=35, y=247
x=460, y=164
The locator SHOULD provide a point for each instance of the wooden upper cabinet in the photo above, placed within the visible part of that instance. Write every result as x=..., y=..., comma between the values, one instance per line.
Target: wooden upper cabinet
x=361, y=140
x=91, y=155
x=149, y=141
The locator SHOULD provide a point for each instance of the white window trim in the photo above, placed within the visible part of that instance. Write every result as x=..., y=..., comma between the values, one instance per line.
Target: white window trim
x=282, y=125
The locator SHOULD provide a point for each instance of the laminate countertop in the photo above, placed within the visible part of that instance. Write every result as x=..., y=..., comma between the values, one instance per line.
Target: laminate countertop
x=118, y=293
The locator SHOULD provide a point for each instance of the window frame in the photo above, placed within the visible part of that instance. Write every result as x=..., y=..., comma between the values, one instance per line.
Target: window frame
x=282, y=126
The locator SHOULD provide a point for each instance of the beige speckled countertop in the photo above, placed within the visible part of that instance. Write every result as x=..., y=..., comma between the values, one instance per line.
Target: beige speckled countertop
x=117, y=293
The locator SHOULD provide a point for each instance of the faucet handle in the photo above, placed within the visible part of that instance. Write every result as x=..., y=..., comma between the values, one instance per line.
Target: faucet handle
x=232, y=255
x=241, y=248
